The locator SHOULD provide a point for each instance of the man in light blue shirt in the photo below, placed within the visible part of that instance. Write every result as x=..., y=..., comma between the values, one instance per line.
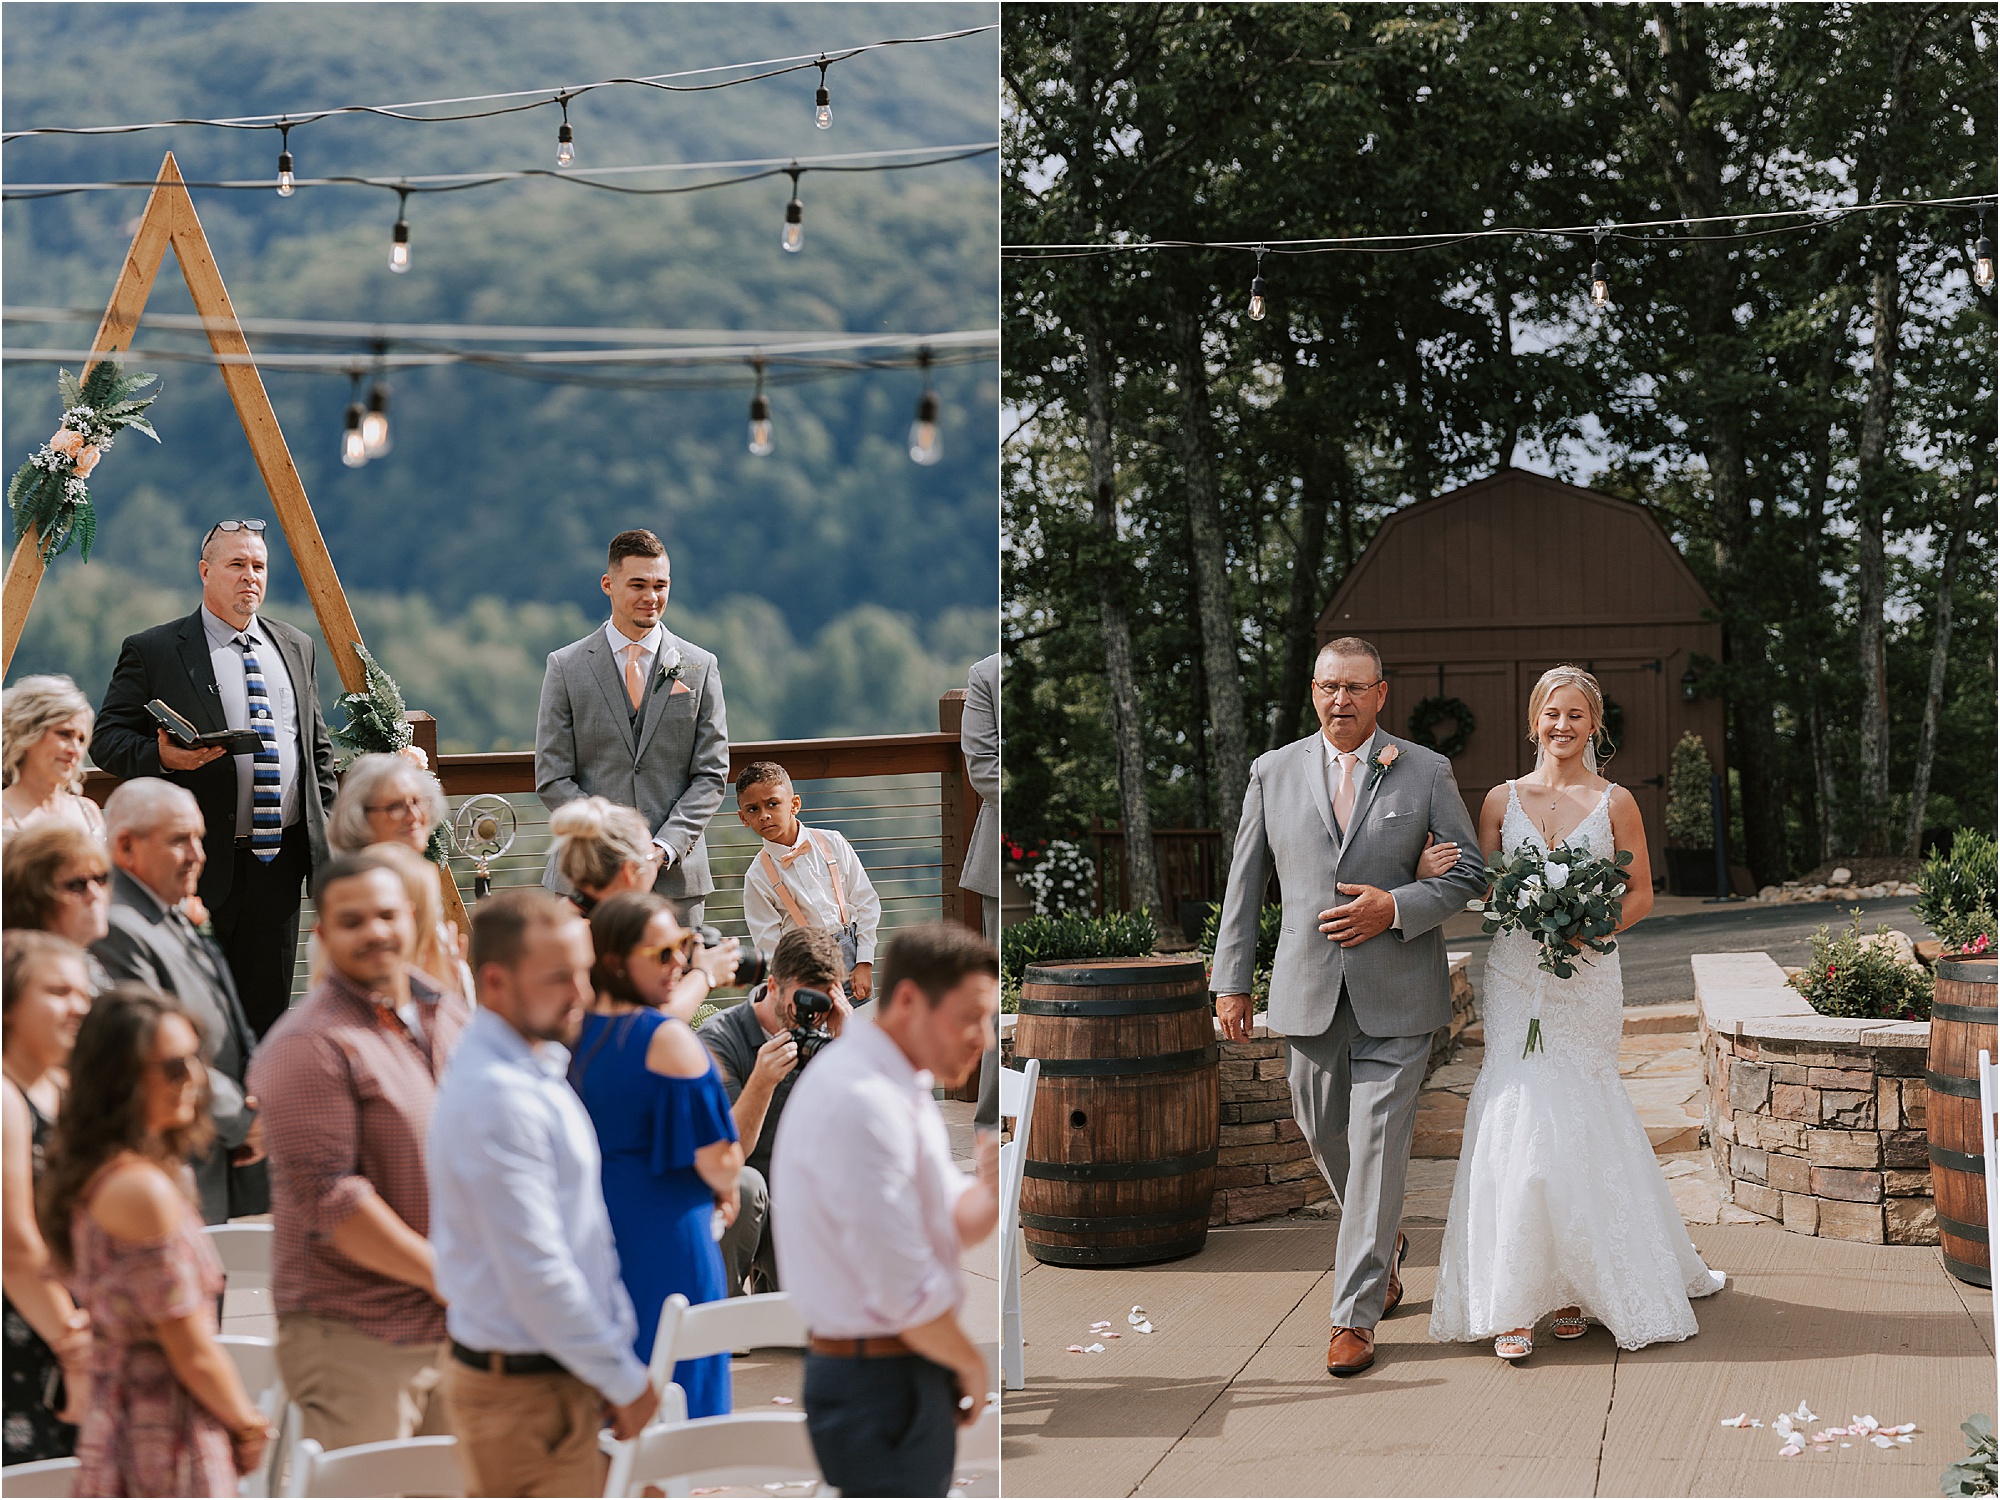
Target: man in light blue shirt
x=541, y=1327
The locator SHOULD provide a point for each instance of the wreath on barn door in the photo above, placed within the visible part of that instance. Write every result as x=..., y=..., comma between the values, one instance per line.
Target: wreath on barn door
x=1432, y=711
x=1612, y=731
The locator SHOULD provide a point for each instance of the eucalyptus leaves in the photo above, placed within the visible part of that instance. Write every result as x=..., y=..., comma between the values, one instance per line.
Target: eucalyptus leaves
x=1566, y=900
x=51, y=491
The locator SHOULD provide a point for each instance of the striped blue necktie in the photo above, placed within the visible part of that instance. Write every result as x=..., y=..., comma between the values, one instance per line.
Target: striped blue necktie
x=266, y=801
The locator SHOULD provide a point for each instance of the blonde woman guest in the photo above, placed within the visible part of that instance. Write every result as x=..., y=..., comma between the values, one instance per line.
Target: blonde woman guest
x=1559, y=1208
x=168, y=1414
x=47, y=996
x=601, y=848
x=44, y=739
x=437, y=949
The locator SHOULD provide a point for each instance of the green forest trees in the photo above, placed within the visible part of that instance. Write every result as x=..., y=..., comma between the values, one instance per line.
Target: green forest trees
x=1808, y=414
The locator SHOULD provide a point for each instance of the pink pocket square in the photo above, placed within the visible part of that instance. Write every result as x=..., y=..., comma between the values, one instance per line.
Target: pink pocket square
x=680, y=687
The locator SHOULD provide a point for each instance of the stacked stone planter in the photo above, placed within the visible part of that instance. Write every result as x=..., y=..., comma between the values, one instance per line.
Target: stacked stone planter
x=1264, y=1167
x=1815, y=1121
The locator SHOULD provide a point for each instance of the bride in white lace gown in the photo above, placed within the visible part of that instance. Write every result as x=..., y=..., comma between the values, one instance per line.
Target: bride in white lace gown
x=1559, y=1205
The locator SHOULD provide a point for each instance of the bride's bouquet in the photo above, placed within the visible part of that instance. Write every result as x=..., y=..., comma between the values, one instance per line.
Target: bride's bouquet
x=1567, y=900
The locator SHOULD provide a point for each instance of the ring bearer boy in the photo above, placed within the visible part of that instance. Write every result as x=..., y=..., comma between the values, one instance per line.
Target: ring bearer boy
x=804, y=877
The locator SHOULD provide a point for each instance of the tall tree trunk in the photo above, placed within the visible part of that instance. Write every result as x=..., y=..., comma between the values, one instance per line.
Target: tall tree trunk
x=1871, y=505
x=1211, y=576
x=1826, y=789
x=1954, y=553
x=1503, y=349
x=1302, y=614
x=1127, y=721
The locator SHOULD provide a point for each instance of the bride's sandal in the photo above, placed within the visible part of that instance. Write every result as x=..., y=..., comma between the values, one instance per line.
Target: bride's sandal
x=1513, y=1346
x=1569, y=1324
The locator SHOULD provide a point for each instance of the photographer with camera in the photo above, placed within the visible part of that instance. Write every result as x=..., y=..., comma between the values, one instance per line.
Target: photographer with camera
x=759, y=1047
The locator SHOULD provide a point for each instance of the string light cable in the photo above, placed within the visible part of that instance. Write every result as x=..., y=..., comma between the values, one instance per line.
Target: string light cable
x=518, y=100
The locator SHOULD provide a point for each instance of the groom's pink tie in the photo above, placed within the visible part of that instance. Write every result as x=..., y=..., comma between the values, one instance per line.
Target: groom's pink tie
x=635, y=683
x=1343, y=793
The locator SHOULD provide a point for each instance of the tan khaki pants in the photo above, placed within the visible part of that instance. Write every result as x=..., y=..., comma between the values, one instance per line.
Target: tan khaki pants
x=526, y=1434
x=351, y=1388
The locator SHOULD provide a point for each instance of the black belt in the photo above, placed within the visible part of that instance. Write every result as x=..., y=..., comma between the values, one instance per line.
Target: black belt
x=495, y=1363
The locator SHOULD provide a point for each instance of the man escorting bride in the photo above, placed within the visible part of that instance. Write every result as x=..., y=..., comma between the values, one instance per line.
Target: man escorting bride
x=1558, y=1206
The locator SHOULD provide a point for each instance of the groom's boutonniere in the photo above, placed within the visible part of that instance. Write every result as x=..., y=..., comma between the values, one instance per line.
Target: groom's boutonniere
x=1379, y=763
x=671, y=664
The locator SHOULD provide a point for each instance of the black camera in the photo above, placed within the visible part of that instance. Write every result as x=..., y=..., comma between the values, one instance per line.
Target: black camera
x=750, y=965
x=809, y=1011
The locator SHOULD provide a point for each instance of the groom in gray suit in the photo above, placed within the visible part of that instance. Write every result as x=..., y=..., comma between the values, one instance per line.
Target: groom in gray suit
x=1360, y=980
x=634, y=714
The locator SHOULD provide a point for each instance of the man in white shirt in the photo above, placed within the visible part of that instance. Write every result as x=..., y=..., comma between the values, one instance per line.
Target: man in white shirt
x=541, y=1327
x=870, y=1236
x=635, y=714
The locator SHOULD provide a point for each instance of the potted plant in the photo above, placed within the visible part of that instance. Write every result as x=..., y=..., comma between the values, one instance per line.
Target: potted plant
x=1690, y=823
x=1961, y=889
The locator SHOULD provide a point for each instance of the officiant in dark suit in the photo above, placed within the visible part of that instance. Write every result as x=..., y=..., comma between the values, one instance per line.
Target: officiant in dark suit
x=633, y=713
x=227, y=667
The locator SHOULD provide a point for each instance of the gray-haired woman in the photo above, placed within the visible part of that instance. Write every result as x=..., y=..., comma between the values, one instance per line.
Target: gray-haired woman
x=44, y=741
x=385, y=799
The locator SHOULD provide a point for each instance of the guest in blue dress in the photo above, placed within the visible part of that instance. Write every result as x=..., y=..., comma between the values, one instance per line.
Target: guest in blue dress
x=664, y=1128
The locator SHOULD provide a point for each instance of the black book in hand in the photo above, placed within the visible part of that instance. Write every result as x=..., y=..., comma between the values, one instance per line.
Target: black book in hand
x=181, y=732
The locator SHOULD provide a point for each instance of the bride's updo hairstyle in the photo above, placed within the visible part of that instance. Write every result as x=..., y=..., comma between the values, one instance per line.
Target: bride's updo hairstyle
x=596, y=838
x=1584, y=683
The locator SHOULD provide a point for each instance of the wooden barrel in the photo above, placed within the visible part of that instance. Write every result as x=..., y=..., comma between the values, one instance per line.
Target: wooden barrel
x=1120, y=1160
x=1962, y=1022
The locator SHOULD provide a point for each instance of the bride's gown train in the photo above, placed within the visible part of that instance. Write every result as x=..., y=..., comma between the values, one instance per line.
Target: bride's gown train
x=1559, y=1200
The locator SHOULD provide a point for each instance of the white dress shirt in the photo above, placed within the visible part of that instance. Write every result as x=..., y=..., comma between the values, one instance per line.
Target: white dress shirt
x=812, y=887
x=649, y=646
x=1331, y=757
x=525, y=1257
x=862, y=1193
x=226, y=657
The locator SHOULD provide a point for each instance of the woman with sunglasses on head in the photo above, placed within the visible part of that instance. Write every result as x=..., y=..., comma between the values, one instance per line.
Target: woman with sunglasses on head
x=664, y=1128
x=48, y=1337
x=168, y=1414
x=44, y=739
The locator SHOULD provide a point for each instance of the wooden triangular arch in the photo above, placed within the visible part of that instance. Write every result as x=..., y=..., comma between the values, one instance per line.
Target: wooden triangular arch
x=170, y=220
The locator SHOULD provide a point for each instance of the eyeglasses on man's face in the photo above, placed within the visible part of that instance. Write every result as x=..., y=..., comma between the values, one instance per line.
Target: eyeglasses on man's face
x=1333, y=689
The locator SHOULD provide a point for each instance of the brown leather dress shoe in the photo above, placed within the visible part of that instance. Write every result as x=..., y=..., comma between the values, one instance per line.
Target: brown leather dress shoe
x=1395, y=1276
x=1350, y=1351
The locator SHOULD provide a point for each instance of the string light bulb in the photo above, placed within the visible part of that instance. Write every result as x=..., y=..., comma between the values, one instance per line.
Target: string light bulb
x=375, y=420
x=287, y=184
x=1257, y=305
x=354, y=447
x=565, y=137
x=794, y=238
x=399, y=237
x=924, y=431
x=822, y=100
x=1600, y=280
x=760, y=417
x=1982, y=256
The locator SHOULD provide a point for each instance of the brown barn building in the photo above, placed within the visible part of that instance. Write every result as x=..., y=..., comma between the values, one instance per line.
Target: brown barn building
x=1474, y=594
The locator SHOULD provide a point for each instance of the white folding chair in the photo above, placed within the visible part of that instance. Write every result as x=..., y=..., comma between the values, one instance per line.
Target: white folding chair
x=245, y=1252
x=1017, y=1098
x=257, y=1363
x=748, y=1450
x=1989, y=1131
x=765, y=1321
x=976, y=1471
x=421, y=1466
x=45, y=1479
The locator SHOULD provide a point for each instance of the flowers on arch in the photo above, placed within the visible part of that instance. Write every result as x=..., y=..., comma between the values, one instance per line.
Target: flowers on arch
x=50, y=493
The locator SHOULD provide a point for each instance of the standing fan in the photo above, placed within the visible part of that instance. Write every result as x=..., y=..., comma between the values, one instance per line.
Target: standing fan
x=483, y=831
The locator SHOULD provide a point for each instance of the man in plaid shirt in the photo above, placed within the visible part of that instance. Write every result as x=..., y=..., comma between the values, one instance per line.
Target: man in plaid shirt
x=350, y=1076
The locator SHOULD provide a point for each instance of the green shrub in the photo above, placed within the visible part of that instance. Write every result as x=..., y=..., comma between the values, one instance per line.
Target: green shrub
x=1270, y=921
x=1690, y=815
x=1979, y=1471
x=1960, y=892
x=1848, y=977
x=1051, y=939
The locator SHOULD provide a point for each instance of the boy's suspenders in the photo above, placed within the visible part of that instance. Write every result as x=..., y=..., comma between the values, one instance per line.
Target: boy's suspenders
x=792, y=907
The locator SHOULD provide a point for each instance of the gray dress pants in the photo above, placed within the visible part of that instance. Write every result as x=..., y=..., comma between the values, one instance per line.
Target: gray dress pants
x=1355, y=1098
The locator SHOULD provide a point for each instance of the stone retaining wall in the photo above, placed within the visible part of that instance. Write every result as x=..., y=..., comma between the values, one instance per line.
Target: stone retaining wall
x=1815, y=1121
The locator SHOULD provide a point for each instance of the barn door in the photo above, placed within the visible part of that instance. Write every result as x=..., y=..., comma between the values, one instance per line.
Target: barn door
x=1489, y=690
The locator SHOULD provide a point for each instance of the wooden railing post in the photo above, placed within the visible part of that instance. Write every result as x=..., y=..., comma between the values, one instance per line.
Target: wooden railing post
x=958, y=810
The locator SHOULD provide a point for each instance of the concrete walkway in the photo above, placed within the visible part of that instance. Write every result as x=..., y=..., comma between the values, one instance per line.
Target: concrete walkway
x=1230, y=1395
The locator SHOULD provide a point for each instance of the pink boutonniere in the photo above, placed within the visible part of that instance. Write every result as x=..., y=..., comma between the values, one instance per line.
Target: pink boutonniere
x=1379, y=763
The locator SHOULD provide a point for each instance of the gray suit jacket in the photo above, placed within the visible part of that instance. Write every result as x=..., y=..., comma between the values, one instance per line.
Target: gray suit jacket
x=674, y=770
x=142, y=948
x=979, y=738
x=1398, y=980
